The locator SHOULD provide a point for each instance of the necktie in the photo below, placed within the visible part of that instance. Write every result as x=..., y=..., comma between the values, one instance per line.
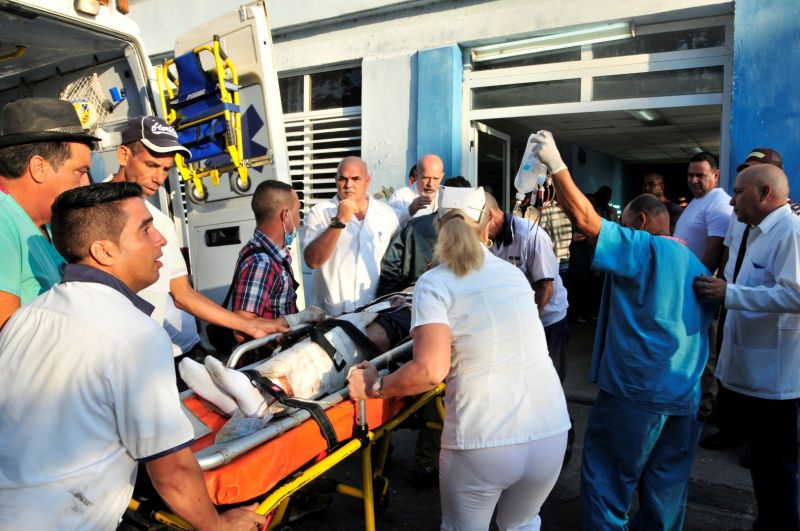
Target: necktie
x=740, y=256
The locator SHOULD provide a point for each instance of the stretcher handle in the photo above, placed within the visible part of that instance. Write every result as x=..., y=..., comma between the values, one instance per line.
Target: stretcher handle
x=361, y=414
x=360, y=428
x=253, y=344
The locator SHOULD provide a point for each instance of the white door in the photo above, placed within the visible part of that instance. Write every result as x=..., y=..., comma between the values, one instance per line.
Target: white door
x=491, y=160
x=220, y=226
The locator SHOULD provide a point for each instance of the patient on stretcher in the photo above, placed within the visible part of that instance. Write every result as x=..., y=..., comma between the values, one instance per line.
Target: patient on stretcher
x=304, y=370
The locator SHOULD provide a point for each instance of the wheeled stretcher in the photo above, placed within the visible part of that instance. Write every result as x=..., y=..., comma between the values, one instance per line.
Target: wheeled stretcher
x=291, y=451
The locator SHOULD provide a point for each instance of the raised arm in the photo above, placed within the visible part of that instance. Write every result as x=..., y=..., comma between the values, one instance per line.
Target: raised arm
x=319, y=251
x=576, y=205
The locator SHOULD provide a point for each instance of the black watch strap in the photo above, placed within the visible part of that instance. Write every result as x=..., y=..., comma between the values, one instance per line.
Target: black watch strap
x=336, y=224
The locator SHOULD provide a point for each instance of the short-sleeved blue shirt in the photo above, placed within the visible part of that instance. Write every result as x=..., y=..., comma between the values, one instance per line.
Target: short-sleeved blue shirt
x=652, y=335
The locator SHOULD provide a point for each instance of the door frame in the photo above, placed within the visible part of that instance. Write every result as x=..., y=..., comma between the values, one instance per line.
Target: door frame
x=473, y=158
x=587, y=68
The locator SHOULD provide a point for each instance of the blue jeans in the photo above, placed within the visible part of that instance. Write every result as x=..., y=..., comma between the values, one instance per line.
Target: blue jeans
x=626, y=447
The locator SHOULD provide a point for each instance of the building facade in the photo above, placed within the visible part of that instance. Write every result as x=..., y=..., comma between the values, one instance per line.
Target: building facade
x=626, y=87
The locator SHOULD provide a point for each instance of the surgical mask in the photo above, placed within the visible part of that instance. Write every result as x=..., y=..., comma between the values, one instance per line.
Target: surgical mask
x=288, y=237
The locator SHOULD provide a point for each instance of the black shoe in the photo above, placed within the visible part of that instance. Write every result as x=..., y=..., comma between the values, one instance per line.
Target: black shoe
x=720, y=441
x=427, y=478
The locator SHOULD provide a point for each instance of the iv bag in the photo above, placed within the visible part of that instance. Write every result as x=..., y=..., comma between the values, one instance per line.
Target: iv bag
x=532, y=172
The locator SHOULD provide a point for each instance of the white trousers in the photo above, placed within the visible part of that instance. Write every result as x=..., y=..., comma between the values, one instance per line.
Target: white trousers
x=515, y=478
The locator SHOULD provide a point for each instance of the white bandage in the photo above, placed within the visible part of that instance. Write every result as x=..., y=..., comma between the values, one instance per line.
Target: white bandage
x=308, y=368
x=309, y=315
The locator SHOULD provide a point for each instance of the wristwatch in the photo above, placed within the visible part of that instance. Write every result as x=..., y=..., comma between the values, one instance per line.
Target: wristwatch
x=336, y=224
x=377, y=387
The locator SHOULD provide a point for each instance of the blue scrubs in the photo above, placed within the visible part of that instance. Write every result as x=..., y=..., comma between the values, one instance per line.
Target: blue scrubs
x=649, y=352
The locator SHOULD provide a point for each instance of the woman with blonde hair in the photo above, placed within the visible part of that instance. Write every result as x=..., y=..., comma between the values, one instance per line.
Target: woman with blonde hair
x=476, y=326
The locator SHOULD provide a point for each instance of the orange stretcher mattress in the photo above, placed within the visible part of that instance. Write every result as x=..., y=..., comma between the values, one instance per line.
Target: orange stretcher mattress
x=256, y=472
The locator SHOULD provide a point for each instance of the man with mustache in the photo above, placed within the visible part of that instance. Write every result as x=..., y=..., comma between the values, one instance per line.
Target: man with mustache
x=419, y=198
x=345, y=240
x=43, y=152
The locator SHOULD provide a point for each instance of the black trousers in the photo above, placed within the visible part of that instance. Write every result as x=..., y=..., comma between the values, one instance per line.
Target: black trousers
x=771, y=433
x=557, y=336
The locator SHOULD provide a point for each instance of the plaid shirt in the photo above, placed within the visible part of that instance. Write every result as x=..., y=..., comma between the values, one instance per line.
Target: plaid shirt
x=264, y=281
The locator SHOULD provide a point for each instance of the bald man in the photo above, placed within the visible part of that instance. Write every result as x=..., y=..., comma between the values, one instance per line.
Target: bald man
x=345, y=240
x=760, y=354
x=651, y=348
x=419, y=198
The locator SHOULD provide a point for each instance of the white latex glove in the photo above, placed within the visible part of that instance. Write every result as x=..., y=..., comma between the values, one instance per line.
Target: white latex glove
x=309, y=315
x=547, y=152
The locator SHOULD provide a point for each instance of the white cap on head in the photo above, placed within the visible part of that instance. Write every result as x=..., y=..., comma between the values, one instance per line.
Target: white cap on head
x=470, y=201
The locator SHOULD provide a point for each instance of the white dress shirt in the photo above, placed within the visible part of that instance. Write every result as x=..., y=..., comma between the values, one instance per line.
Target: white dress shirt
x=349, y=278
x=401, y=199
x=88, y=393
x=760, y=354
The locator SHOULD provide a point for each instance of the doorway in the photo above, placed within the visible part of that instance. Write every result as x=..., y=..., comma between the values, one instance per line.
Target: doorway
x=612, y=148
x=645, y=103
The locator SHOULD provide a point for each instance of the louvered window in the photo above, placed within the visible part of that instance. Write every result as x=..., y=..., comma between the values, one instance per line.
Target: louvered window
x=322, y=118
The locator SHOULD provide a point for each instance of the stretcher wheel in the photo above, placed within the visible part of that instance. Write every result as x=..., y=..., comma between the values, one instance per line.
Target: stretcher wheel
x=239, y=184
x=196, y=196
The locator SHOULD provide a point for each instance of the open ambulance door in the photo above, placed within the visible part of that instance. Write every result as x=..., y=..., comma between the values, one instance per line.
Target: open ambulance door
x=219, y=217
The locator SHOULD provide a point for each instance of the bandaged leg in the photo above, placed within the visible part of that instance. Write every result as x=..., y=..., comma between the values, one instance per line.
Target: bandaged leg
x=237, y=385
x=305, y=370
x=308, y=368
x=199, y=380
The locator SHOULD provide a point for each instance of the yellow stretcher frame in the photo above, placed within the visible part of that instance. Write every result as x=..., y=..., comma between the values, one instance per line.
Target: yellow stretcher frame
x=278, y=499
x=191, y=172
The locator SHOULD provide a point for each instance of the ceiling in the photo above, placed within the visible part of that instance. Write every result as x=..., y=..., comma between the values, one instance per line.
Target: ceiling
x=678, y=135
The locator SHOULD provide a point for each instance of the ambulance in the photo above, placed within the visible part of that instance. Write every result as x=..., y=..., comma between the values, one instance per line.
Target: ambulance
x=220, y=91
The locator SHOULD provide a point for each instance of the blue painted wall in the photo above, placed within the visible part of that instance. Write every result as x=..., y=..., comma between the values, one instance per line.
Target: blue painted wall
x=439, y=76
x=765, y=111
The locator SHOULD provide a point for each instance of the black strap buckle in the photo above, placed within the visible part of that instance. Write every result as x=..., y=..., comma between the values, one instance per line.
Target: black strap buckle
x=265, y=385
x=318, y=337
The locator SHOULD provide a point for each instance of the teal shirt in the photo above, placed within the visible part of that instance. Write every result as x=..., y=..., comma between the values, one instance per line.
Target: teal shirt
x=29, y=264
x=652, y=333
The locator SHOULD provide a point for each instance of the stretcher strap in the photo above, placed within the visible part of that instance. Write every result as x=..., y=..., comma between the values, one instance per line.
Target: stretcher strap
x=369, y=348
x=319, y=338
x=265, y=385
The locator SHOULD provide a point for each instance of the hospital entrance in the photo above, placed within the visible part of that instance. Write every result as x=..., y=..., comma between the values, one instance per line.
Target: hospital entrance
x=621, y=99
x=611, y=148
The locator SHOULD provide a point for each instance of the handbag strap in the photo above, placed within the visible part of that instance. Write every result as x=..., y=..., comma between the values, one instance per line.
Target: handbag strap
x=250, y=252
